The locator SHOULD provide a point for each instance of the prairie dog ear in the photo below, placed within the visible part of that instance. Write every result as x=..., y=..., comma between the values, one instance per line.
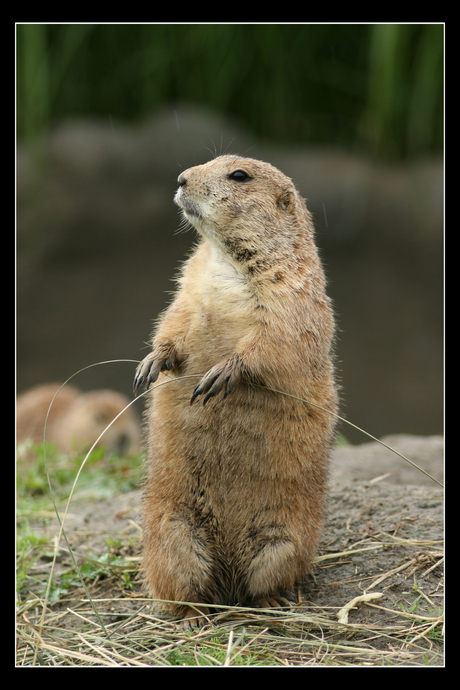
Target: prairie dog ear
x=285, y=200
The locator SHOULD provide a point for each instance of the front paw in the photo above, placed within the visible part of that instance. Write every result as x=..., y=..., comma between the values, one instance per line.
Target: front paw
x=163, y=358
x=224, y=376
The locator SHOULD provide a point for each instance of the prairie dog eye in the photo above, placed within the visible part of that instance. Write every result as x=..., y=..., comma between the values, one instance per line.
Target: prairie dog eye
x=239, y=176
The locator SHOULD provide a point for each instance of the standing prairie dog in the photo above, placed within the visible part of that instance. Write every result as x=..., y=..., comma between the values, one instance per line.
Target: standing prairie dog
x=237, y=474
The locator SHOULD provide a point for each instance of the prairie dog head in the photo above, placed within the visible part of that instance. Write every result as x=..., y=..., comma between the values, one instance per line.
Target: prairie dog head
x=247, y=206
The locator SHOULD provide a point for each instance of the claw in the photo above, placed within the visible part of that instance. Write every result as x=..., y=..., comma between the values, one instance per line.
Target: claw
x=138, y=381
x=221, y=377
x=211, y=394
x=204, y=386
x=152, y=377
x=270, y=601
x=145, y=374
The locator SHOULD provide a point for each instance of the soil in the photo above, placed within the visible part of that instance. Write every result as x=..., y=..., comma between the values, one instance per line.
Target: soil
x=399, y=524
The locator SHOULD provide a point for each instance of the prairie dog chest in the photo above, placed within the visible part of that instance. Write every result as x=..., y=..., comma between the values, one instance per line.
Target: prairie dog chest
x=218, y=294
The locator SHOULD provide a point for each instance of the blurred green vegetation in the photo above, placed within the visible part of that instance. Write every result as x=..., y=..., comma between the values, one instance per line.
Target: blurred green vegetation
x=376, y=88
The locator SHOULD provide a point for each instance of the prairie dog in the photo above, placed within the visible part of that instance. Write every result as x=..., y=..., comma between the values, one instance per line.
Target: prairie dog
x=76, y=419
x=237, y=474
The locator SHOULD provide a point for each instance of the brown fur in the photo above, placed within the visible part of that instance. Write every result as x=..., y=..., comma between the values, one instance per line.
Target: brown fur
x=76, y=419
x=236, y=488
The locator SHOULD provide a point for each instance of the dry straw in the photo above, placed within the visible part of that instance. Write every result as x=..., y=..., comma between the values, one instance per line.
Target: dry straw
x=77, y=634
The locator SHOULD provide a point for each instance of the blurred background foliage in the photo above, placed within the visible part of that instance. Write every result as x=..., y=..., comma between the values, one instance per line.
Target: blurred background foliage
x=373, y=88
